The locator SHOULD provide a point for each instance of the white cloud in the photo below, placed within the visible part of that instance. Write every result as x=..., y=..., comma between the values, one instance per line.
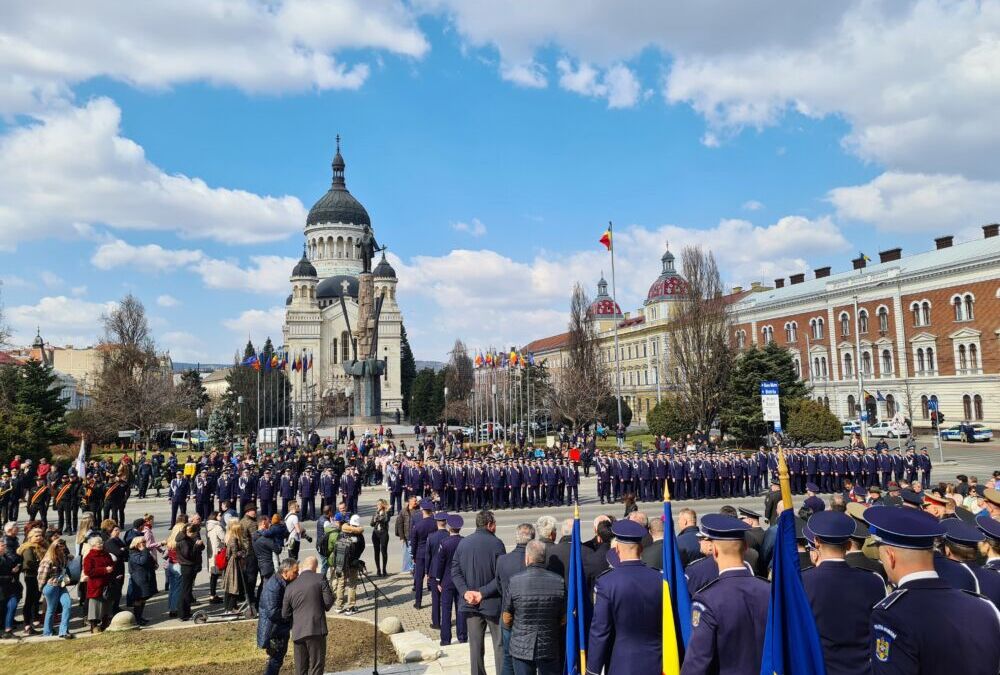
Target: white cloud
x=258, y=325
x=474, y=227
x=285, y=45
x=265, y=274
x=529, y=74
x=166, y=300
x=752, y=205
x=185, y=347
x=60, y=319
x=73, y=169
x=902, y=202
x=618, y=85
x=51, y=279
x=78, y=291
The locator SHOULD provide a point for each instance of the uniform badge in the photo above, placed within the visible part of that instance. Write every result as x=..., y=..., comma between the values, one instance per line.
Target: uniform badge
x=696, y=609
x=882, y=648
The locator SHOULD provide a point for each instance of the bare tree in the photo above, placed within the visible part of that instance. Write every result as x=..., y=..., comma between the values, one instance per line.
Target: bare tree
x=459, y=381
x=699, y=338
x=579, y=387
x=134, y=390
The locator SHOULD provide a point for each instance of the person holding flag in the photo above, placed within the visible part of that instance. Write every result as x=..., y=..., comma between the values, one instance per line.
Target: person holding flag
x=676, y=599
x=728, y=615
x=626, y=631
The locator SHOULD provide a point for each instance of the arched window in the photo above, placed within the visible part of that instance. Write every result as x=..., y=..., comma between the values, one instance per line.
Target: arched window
x=768, y=334
x=921, y=365
x=969, y=301
x=788, y=333
x=883, y=320
x=741, y=339
x=848, y=366
x=816, y=371
x=818, y=332
x=822, y=363
x=333, y=351
x=925, y=411
x=930, y=359
x=863, y=321
x=845, y=324
x=886, y=362
x=977, y=407
x=925, y=313
x=345, y=346
x=890, y=405
x=963, y=360
x=967, y=407
x=795, y=331
x=851, y=403
x=798, y=368
x=973, y=357
x=866, y=363
x=826, y=402
x=957, y=304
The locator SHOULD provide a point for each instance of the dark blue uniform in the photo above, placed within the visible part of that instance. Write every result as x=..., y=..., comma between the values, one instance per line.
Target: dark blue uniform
x=841, y=598
x=434, y=540
x=728, y=618
x=625, y=634
x=419, y=531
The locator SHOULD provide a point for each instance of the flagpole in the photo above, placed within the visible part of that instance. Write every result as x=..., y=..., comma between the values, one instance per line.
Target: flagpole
x=784, y=480
x=614, y=301
x=857, y=367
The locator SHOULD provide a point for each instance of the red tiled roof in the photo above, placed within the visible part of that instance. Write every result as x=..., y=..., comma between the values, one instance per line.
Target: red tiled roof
x=634, y=321
x=8, y=360
x=547, y=343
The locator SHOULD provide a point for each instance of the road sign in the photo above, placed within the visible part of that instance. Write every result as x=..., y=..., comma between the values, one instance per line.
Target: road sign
x=932, y=405
x=769, y=402
x=777, y=426
x=864, y=416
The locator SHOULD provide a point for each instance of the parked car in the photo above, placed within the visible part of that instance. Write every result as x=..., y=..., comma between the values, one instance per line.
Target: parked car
x=195, y=438
x=960, y=432
x=851, y=427
x=888, y=430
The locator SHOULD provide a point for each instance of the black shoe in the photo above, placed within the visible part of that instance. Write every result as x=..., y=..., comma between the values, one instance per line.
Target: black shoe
x=434, y=626
x=68, y=636
x=416, y=606
x=172, y=615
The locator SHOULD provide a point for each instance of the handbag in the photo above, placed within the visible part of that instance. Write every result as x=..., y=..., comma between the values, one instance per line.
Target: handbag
x=221, y=560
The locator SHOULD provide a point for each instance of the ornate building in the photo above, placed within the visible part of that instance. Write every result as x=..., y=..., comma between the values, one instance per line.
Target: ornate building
x=326, y=275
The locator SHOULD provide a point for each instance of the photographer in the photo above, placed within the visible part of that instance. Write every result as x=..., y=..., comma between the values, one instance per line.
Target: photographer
x=346, y=563
x=296, y=533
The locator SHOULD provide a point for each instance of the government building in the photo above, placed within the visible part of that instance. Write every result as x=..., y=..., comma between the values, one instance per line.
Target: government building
x=324, y=283
x=923, y=330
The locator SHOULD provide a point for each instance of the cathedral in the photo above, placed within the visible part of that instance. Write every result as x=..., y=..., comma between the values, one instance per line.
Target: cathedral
x=324, y=284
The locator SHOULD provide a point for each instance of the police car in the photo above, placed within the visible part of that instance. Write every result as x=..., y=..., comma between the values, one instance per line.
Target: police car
x=851, y=427
x=959, y=432
x=890, y=429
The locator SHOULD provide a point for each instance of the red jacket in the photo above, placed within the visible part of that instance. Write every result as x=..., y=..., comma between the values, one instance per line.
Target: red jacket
x=95, y=567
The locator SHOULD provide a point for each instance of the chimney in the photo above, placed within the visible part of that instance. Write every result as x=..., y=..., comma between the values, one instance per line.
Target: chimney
x=755, y=285
x=890, y=255
x=991, y=230
x=943, y=242
x=779, y=283
x=797, y=278
x=737, y=289
x=822, y=272
x=859, y=262
x=627, y=315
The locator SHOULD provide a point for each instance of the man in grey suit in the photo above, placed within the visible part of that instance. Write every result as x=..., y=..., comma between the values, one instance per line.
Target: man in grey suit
x=473, y=569
x=307, y=600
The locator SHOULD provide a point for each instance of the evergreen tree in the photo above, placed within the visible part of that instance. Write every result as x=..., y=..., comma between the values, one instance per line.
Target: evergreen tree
x=742, y=415
x=667, y=418
x=221, y=425
x=191, y=393
x=607, y=413
x=437, y=397
x=422, y=397
x=39, y=394
x=408, y=370
x=810, y=422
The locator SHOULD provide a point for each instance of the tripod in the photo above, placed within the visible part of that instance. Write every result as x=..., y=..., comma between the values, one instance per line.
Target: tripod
x=363, y=573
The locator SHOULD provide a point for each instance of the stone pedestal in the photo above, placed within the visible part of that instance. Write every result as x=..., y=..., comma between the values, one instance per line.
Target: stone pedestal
x=367, y=372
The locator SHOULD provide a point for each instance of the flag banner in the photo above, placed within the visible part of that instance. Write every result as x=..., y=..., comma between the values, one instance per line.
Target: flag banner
x=606, y=239
x=791, y=641
x=81, y=460
x=676, y=599
x=266, y=361
x=250, y=361
x=576, y=638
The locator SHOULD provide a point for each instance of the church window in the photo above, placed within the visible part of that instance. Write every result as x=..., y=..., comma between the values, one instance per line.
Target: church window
x=345, y=346
x=334, y=351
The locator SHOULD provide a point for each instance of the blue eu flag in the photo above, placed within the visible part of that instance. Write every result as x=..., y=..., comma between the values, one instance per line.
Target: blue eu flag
x=791, y=641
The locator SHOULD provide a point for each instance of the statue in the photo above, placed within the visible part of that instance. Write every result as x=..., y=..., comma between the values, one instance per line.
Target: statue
x=367, y=248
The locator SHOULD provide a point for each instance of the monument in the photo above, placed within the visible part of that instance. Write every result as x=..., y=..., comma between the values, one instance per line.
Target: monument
x=366, y=371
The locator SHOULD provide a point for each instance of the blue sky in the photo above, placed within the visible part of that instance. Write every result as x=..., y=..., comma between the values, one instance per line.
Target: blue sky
x=174, y=153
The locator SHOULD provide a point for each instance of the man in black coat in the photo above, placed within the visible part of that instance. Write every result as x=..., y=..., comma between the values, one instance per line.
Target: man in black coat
x=508, y=565
x=652, y=555
x=687, y=536
x=474, y=568
x=306, y=602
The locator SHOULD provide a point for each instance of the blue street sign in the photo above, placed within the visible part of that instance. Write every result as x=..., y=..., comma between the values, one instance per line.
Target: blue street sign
x=864, y=416
x=769, y=387
x=777, y=426
x=932, y=405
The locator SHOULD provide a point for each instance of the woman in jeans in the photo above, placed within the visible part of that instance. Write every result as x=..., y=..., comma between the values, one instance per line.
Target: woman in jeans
x=53, y=580
x=31, y=551
x=173, y=571
x=380, y=536
x=99, y=568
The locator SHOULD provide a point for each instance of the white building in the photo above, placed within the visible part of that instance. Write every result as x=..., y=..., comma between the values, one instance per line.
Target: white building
x=326, y=274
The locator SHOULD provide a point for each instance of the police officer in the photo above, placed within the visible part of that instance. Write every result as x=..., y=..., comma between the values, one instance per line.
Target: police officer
x=841, y=596
x=434, y=540
x=179, y=491
x=904, y=639
x=961, y=543
x=419, y=531
x=625, y=634
x=441, y=572
x=990, y=547
x=729, y=615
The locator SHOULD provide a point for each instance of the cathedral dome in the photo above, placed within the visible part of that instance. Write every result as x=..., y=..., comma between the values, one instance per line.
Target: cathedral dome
x=338, y=205
x=333, y=287
x=304, y=268
x=603, y=306
x=384, y=269
x=669, y=285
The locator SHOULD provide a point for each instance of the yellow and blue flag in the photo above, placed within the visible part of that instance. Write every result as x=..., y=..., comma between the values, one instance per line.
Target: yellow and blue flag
x=676, y=599
x=791, y=641
x=576, y=637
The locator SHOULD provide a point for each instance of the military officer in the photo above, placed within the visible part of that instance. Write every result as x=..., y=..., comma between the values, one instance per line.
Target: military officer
x=729, y=615
x=179, y=491
x=841, y=596
x=903, y=638
x=990, y=546
x=434, y=541
x=419, y=531
x=442, y=573
x=625, y=634
x=960, y=543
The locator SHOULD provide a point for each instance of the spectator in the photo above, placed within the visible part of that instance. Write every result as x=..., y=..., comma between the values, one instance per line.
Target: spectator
x=99, y=568
x=116, y=548
x=189, y=549
x=534, y=612
x=652, y=555
x=215, y=541
x=172, y=569
x=272, y=628
x=509, y=565
x=473, y=568
x=234, y=586
x=306, y=601
x=142, y=575
x=687, y=536
x=31, y=552
x=53, y=579
x=346, y=563
x=266, y=546
x=10, y=588
x=295, y=530
x=402, y=531
x=380, y=537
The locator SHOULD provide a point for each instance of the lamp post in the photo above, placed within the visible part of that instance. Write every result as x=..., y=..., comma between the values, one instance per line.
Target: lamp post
x=445, y=411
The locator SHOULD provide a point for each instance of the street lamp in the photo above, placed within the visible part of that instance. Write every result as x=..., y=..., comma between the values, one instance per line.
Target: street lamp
x=445, y=407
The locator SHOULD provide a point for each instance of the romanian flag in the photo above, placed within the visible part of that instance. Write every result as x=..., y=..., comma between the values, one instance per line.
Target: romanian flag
x=307, y=361
x=284, y=361
x=676, y=599
x=275, y=361
x=267, y=362
x=576, y=636
x=479, y=360
x=489, y=358
x=295, y=363
x=606, y=238
x=513, y=357
x=251, y=361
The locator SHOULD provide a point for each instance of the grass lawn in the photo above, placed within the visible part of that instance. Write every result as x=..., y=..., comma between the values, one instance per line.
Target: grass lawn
x=208, y=650
x=630, y=440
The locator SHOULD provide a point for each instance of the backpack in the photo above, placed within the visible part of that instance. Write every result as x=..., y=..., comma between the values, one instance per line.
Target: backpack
x=330, y=543
x=74, y=569
x=322, y=546
x=345, y=553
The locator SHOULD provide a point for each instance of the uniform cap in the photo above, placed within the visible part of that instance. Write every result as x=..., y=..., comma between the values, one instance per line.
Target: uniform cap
x=812, y=487
x=911, y=497
x=860, y=530
x=992, y=495
x=749, y=513
x=441, y=516
x=903, y=528
x=935, y=498
x=960, y=532
x=455, y=521
x=814, y=504
x=832, y=527
x=426, y=505
x=628, y=531
x=719, y=527
x=989, y=527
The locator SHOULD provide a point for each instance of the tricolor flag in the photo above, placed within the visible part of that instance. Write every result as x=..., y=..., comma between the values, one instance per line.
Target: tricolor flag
x=251, y=361
x=266, y=361
x=676, y=599
x=295, y=363
x=576, y=637
x=606, y=238
x=81, y=460
x=275, y=361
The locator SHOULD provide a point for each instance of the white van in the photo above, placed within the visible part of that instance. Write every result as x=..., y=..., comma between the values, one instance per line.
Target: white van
x=273, y=436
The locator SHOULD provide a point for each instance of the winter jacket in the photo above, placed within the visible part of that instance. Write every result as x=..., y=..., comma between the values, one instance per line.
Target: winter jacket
x=95, y=567
x=142, y=572
x=265, y=548
x=271, y=625
x=536, y=603
x=215, y=541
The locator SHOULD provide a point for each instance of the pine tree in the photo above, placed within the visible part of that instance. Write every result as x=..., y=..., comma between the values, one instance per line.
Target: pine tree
x=38, y=392
x=221, y=425
x=407, y=371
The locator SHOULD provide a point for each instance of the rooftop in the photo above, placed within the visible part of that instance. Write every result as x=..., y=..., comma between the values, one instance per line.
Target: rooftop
x=547, y=343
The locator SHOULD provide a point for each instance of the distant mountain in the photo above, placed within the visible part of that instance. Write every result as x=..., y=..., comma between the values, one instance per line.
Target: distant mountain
x=433, y=365
x=201, y=367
